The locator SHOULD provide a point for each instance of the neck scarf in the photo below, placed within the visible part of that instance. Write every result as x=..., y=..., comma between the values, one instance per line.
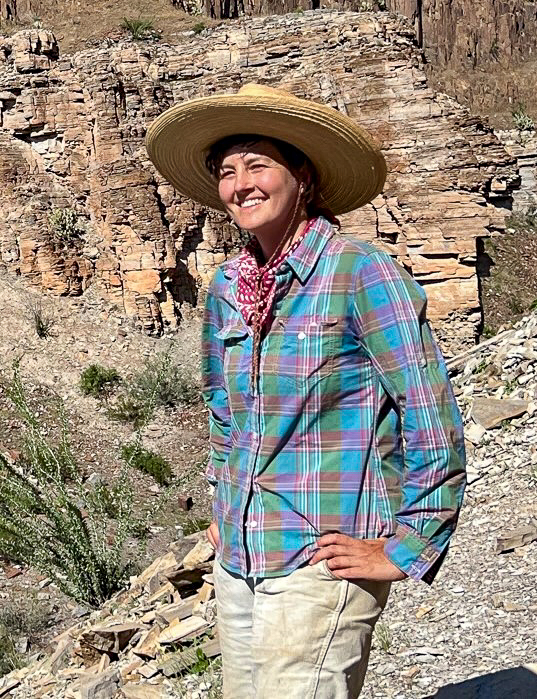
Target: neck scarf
x=257, y=284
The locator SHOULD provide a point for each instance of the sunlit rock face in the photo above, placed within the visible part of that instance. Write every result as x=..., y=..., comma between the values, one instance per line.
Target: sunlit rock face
x=72, y=130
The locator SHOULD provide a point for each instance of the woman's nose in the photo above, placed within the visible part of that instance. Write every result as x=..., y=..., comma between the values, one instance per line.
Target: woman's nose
x=243, y=180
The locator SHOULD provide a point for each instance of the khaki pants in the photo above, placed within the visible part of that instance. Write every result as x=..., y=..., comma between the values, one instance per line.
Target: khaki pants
x=306, y=635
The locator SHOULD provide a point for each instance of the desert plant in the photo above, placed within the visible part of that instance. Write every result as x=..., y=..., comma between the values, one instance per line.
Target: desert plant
x=199, y=27
x=132, y=408
x=495, y=49
x=383, y=636
x=161, y=383
x=97, y=380
x=522, y=120
x=10, y=658
x=169, y=383
x=23, y=617
x=191, y=661
x=191, y=525
x=42, y=320
x=50, y=520
x=148, y=462
x=524, y=220
x=65, y=225
x=26, y=616
x=138, y=28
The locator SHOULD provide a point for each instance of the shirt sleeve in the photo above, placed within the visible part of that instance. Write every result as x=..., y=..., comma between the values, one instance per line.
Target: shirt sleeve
x=213, y=387
x=390, y=313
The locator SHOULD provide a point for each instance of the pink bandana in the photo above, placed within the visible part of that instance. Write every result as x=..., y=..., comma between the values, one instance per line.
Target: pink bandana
x=249, y=273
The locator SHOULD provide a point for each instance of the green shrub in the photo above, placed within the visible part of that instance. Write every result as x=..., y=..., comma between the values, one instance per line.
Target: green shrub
x=161, y=383
x=25, y=617
x=524, y=221
x=10, y=658
x=97, y=380
x=132, y=408
x=65, y=225
x=199, y=27
x=138, y=28
x=50, y=520
x=515, y=305
x=522, y=120
x=169, y=384
x=148, y=462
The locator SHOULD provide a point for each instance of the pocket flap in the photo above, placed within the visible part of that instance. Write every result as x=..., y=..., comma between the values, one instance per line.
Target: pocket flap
x=308, y=323
x=232, y=331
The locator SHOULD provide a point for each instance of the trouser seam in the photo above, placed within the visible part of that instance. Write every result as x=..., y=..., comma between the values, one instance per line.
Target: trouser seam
x=328, y=639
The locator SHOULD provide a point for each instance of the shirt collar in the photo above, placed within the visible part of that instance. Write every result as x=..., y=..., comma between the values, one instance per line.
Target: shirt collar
x=303, y=260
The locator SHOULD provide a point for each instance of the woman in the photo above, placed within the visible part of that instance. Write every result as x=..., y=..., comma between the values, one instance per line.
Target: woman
x=336, y=444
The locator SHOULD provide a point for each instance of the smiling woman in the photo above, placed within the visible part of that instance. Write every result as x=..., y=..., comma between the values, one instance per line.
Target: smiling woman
x=318, y=366
x=248, y=163
x=260, y=192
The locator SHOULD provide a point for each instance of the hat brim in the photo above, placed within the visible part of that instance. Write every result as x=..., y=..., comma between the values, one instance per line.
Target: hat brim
x=350, y=167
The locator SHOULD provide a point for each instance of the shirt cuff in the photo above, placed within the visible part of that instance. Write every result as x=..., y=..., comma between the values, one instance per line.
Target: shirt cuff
x=412, y=554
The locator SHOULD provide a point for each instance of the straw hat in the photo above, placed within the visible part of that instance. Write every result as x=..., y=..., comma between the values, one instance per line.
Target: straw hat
x=350, y=166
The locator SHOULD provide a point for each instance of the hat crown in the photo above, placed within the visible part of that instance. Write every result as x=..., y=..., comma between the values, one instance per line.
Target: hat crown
x=257, y=90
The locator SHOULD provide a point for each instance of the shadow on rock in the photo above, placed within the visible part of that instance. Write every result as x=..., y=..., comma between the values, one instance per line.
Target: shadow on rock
x=519, y=682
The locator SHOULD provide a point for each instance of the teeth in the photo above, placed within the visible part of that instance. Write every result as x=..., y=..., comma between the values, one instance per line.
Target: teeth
x=250, y=202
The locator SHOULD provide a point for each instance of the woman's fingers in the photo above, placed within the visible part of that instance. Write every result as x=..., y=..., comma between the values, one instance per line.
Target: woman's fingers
x=350, y=558
x=213, y=535
x=342, y=562
x=329, y=552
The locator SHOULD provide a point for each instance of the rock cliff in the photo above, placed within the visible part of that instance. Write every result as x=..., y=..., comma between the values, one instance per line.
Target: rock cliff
x=482, y=53
x=71, y=133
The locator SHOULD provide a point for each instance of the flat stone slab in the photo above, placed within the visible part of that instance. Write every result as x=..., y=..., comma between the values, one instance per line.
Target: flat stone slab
x=490, y=412
x=516, y=538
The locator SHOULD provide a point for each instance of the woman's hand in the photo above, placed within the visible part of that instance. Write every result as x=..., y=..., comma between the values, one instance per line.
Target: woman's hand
x=351, y=559
x=212, y=535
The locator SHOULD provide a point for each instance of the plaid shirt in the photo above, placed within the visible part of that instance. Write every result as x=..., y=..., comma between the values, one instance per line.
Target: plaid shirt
x=352, y=427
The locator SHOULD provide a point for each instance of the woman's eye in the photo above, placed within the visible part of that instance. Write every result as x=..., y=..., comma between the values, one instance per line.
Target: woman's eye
x=225, y=173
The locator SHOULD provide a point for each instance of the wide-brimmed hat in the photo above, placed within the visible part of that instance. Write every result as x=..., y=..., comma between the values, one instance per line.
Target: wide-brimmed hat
x=350, y=167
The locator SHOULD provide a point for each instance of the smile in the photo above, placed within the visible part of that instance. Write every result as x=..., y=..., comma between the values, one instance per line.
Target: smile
x=250, y=202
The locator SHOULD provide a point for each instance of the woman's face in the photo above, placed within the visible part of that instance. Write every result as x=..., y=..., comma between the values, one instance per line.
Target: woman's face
x=257, y=188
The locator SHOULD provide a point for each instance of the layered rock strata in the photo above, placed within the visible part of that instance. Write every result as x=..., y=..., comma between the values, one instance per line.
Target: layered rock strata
x=523, y=146
x=72, y=129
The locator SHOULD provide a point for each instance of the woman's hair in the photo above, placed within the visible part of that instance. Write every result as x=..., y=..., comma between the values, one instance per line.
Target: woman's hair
x=297, y=161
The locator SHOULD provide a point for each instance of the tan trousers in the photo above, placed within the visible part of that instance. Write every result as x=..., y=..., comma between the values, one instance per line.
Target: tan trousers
x=306, y=635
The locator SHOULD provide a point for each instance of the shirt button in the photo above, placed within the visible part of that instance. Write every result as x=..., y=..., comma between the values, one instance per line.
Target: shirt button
x=301, y=335
x=252, y=523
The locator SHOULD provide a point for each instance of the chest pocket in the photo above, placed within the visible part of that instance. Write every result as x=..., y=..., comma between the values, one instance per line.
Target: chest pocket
x=309, y=346
x=238, y=348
